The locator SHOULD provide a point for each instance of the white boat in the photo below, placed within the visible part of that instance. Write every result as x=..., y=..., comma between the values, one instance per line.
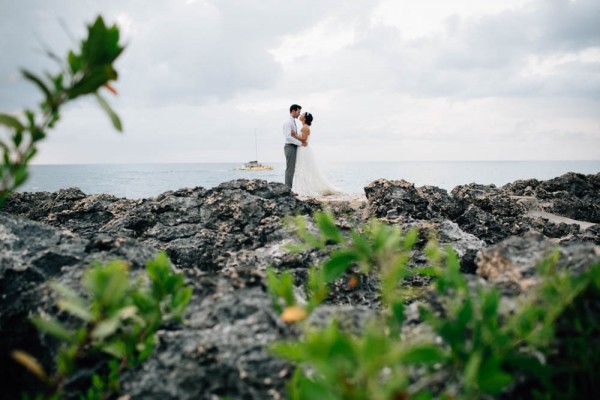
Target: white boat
x=255, y=165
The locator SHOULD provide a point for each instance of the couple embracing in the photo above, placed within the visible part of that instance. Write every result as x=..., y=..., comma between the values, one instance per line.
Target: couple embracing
x=302, y=174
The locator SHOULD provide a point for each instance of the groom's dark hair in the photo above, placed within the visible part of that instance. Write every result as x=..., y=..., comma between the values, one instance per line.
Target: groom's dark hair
x=295, y=107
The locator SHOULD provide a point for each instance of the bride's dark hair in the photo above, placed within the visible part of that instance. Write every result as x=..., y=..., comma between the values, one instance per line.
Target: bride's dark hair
x=308, y=118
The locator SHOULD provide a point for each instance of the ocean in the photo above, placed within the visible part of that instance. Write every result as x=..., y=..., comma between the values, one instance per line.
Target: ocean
x=147, y=180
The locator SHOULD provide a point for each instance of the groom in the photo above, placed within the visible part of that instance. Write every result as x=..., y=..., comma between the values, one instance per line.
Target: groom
x=289, y=130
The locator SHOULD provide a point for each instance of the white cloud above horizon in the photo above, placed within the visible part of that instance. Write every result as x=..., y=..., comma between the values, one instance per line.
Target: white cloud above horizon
x=386, y=80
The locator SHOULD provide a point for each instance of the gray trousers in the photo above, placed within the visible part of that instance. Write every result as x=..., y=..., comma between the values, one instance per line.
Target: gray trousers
x=290, y=163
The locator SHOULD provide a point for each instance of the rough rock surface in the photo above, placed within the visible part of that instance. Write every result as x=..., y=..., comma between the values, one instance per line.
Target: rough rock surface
x=31, y=254
x=196, y=227
x=493, y=214
x=222, y=351
x=571, y=195
x=223, y=239
x=512, y=264
x=230, y=319
x=392, y=199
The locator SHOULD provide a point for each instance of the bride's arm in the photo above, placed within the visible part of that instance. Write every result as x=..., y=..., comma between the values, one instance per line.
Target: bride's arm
x=302, y=137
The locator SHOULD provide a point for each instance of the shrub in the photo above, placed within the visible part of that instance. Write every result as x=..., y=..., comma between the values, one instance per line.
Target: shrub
x=117, y=322
x=541, y=350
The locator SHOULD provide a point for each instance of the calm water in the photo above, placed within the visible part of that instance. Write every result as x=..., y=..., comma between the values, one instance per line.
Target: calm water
x=145, y=180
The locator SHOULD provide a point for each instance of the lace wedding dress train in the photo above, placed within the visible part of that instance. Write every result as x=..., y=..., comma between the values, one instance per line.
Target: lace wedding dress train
x=308, y=179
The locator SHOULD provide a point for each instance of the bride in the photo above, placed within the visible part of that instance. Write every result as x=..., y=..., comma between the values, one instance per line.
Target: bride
x=308, y=179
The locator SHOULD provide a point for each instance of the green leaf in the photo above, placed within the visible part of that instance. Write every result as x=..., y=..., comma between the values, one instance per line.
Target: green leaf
x=127, y=312
x=464, y=315
x=75, y=62
x=295, y=247
x=471, y=371
x=106, y=328
x=52, y=327
x=92, y=81
x=397, y=309
x=494, y=382
x=281, y=287
x=338, y=264
x=145, y=348
x=286, y=289
x=58, y=82
x=327, y=227
x=101, y=45
x=424, y=395
x=115, y=348
x=361, y=245
x=428, y=271
x=423, y=354
x=311, y=390
x=38, y=81
x=411, y=238
x=18, y=138
x=37, y=134
x=11, y=122
x=108, y=283
x=66, y=292
x=492, y=379
x=75, y=308
x=30, y=154
x=159, y=268
x=291, y=351
x=182, y=297
x=303, y=233
x=97, y=382
x=491, y=300
x=111, y=114
x=317, y=287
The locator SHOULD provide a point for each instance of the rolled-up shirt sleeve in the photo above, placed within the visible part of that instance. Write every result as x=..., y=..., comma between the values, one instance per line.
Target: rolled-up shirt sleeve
x=288, y=127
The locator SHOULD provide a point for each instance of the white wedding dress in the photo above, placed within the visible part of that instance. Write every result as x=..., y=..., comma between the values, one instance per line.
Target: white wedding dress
x=308, y=179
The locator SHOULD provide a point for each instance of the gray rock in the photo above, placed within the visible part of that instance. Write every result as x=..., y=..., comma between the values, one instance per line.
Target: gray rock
x=224, y=238
x=571, y=195
x=31, y=254
x=196, y=227
x=393, y=199
x=223, y=350
x=512, y=264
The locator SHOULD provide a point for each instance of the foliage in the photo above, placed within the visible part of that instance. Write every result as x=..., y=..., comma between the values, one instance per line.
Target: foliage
x=378, y=247
x=118, y=317
x=473, y=350
x=84, y=72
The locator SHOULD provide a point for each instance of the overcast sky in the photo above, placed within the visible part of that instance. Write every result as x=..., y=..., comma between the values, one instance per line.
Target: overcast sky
x=384, y=79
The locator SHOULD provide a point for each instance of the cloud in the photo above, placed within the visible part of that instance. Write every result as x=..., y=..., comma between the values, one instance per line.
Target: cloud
x=385, y=79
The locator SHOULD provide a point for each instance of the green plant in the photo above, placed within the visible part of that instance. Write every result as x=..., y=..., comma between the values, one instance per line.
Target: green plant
x=474, y=351
x=377, y=246
x=118, y=319
x=85, y=72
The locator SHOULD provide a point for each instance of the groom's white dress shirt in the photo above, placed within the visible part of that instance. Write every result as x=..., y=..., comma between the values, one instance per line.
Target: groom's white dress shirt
x=288, y=126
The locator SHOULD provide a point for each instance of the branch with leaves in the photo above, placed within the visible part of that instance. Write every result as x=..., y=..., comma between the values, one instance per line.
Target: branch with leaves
x=475, y=351
x=85, y=72
x=117, y=317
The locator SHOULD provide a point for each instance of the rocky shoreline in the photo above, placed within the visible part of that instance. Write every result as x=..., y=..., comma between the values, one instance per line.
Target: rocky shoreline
x=224, y=238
